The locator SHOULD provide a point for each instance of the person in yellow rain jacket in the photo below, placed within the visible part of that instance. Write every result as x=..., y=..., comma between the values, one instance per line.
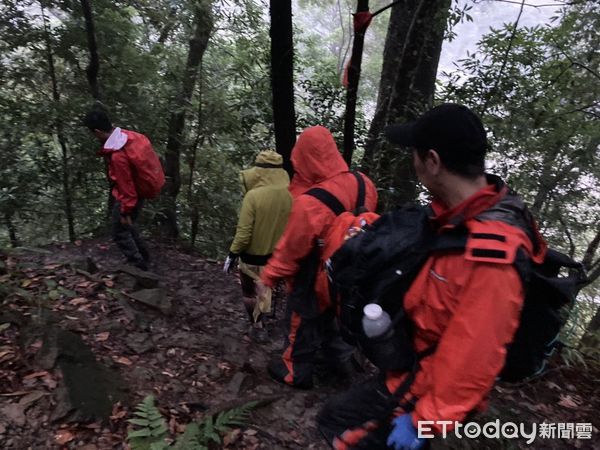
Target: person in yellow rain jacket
x=265, y=209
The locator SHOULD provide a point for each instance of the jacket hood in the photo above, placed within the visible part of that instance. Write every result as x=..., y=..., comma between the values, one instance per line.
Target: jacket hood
x=115, y=142
x=267, y=171
x=316, y=157
x=299, y=185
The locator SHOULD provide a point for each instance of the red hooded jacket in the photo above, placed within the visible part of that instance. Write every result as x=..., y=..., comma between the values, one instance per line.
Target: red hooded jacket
x=469, y=307
x=119, y=170
x=317, y=163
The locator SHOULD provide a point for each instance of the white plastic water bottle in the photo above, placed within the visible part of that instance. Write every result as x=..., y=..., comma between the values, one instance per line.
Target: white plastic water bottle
x=376, y=322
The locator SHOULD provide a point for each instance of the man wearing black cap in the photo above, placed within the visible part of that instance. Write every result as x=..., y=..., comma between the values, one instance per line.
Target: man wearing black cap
x=465, y=305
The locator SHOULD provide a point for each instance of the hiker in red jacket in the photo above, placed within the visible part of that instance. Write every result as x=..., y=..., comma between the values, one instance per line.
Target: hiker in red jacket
x=318, y=163
x=465, y=306
x=132, y=181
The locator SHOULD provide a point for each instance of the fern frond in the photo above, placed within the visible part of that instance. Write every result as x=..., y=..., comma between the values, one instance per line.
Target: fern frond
x=153, y=431
x=189, y=440
x=198, y=436
x=235, y=416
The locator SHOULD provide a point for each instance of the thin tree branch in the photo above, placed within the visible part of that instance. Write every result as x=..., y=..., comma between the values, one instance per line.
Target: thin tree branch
x=568, y=233
x=94, y=64
x=591, y=250
x=504, y=63
x=535, y=6
x=379, y=11
x=576, y=63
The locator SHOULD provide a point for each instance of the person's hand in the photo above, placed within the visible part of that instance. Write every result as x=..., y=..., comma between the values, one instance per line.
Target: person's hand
x=404, y=434
x=126, y=219
x=229, y=262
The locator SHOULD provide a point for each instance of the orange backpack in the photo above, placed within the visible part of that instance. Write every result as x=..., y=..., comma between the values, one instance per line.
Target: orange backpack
x=148, y=174
x=347, y=224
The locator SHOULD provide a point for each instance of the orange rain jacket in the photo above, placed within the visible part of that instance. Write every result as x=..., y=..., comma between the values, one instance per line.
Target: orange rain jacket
x=317, y=163
x=120, y=172
x=469, y=306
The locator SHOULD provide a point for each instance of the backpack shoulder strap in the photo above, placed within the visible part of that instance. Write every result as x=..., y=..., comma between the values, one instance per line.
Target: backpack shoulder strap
x=328, y=199
x=331, y=201
x=360, y=198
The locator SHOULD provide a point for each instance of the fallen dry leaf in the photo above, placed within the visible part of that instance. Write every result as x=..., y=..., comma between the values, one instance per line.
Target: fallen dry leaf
x=50, y=382
x=31, y=398
x=232, y=436
x=78, y=301
x=123, y=360
x=14, y=394
x=40, y=374
x=5, y=353
x=109, y=283
x=77, y=243
x=101, y=337
x=63, y=436
x=118, y=415
x=224, y=366
x=568, y=402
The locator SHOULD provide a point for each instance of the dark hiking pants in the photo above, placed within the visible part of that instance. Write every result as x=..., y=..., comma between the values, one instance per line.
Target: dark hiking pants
x=128, y=238
x=360, y=418
x=305, y=337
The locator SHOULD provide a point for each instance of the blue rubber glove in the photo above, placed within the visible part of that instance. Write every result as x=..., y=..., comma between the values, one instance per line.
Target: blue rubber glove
x=404, y=434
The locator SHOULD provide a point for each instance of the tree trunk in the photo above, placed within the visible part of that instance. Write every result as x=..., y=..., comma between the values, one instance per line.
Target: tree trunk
x=168, y=27
x=94, y=65
x=353, y=80
x=591, y=338
x=203, y=23
x=411, y=55
x=591, y=262
x=58, y=127
x=12, y=230
x=282, y=79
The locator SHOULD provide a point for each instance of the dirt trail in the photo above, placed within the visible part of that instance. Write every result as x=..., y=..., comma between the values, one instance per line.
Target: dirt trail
x=196, y=359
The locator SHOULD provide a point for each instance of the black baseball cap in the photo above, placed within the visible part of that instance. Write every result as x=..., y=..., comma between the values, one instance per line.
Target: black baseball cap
x=452, y=130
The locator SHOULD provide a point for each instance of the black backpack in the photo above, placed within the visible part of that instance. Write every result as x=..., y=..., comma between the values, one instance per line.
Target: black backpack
x=379, y=266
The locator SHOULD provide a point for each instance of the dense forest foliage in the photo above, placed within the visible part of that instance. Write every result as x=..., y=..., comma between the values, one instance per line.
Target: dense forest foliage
x=196, y=76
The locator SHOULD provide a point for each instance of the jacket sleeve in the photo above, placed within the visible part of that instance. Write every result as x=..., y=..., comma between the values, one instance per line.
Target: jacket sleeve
x=245, y=226
x=472, y=349
x=299, y=237
x=125, y=191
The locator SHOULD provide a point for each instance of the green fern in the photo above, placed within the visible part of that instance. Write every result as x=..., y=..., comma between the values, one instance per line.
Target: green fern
x=153, y=431
x=199, y=436
x=189, y=440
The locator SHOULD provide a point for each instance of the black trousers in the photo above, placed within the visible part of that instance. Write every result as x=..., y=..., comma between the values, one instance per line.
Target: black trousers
x=360, y=418
x=304, y=338
x=127, y=237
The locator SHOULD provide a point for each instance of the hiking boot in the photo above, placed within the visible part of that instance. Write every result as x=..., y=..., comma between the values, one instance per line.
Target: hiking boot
x=142, y=265
x=259, y=335
x=277, y=372
x=145, y=254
